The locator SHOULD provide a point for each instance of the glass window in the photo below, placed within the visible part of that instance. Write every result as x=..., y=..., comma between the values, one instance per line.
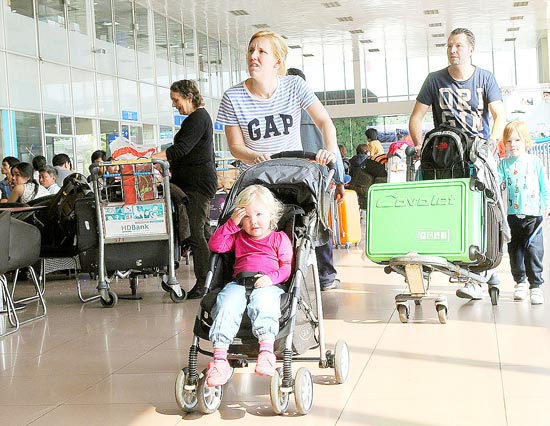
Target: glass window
x=144, y=44
x=190, y=58
x=28, y=136
x=23, y=83
x=161, y=51
x=56, y=90
x=202, y=43
x=313, y=67
x=124, y=37
x=4, y=136
x=417, y=72
x=108, y=131
x=148, y=101
x=526, y=75
x=177, y=53
x=85, y=143
x=166, y=136
x=129, y=99
x=66, y=125
x=166, y=112
x=83, y=92
x=149, y=135
x=3, y=92
x=226, y=67
x=103, y=20
x=50, y=124
x=505, y=70
x=51, y=27
x=58, y=145
x=107, y=96
x=77, y=16
x=214, y=59
x=235, y=74
x=396, y=68
x=20, y=28
x=333, y=58
x=375, y=75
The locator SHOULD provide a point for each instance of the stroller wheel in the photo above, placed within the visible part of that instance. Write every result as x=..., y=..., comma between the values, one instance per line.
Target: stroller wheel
x=341, y=361
x=279, y=399
x=441, y=313
x=208, y=399
x=178, y=299
x=403, y=311
x=303, y=390
x=186, y=399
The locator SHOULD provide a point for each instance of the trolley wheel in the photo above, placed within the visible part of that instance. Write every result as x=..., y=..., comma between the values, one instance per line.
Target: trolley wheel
x=303, y=390
x=494, y=293
x=186, y=399
x=112, y=301
x=279, y=400
x=165, y=287
x=178, y=299
x=208, y=398
x=341, y=361
x=403, y=311
x=441, y=313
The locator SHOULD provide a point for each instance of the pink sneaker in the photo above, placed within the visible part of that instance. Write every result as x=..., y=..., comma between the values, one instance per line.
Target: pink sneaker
x=265, y=366
x=218, y=373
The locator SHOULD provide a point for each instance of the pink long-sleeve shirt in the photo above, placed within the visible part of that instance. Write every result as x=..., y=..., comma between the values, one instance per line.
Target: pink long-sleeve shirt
x=271, y=255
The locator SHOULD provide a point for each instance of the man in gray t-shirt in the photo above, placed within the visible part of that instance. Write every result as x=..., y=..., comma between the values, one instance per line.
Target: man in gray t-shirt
x=463, y=95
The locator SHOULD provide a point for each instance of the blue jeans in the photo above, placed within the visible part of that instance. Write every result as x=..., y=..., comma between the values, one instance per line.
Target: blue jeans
x=264, y=311
x=327, y=273
x=526, y=261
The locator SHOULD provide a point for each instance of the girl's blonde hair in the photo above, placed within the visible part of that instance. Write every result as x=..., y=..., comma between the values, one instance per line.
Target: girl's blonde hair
x=262, y=195
x=375, y=148
x=522, y=130
x=278, y=44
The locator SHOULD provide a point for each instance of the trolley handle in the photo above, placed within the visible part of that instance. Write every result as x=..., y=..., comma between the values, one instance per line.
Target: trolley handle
x=95, y=167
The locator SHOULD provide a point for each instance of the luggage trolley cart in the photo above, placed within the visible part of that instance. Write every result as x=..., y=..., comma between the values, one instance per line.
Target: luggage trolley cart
x=136, y=232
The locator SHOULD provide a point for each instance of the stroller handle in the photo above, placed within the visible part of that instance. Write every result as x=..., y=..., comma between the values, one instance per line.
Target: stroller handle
x=302, y=154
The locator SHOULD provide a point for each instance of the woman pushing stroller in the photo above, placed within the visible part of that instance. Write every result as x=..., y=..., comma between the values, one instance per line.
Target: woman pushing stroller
x=250, y=233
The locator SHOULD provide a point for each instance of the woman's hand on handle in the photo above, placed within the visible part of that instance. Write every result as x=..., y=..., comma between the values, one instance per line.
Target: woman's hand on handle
x=262, y=157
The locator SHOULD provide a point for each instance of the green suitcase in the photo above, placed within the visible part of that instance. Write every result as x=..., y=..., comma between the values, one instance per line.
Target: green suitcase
x=446, y=218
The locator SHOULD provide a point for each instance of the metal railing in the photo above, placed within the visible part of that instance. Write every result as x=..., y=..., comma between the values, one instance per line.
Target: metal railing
x=542, y=150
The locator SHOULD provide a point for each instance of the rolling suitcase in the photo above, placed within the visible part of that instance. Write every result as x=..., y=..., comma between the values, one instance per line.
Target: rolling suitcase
x=347, y=223
x=449, y=218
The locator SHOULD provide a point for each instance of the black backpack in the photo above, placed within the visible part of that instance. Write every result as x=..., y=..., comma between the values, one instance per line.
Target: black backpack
x=445, y=154
x=57, y=221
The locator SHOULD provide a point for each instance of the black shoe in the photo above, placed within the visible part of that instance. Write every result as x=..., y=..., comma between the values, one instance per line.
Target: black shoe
x=331, y=286
x=196, y=292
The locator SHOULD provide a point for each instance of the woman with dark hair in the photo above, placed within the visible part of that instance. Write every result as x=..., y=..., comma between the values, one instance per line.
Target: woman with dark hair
x=193, y=170
x=6, y=184
x=26, y=188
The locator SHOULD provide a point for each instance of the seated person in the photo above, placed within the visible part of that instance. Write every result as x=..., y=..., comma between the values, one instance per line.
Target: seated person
x=7, y=184
x=375, y=164
x=258, y=248
x=356, y=162
x=26, y=188
x=47, y=177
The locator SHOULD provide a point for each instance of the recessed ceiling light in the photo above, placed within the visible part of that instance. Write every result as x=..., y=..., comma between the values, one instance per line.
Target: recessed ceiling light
x=365, y=41
x=520, y=3
x=440, y=44
x=307, y=55
x=261, y=26
x=284, y=36
x=510, y=39
x=356, y=31
x=331, y=4
x=295, y=46
x=512, y=29
x=239, y=12
x=374, y=50
x=435, y=24
x=431, y=12
x=345, y=19
x=438, y=35
x=516, y=18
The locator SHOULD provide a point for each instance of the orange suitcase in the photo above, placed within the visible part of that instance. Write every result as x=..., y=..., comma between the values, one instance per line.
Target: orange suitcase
x=347, y=224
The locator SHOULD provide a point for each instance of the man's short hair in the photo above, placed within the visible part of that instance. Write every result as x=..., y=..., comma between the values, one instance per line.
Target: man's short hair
x=61, y=159
x=52, y=171
x=469, y=35
x=96, y=155
x=38, y=162
x=371, y=134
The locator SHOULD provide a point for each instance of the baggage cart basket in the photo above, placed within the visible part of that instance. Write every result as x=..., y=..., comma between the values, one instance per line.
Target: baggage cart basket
x=134, y=217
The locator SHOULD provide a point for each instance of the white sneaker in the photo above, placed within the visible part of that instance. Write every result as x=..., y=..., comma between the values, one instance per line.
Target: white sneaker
x=470, y=291
x=537, y=298
x=520, y=290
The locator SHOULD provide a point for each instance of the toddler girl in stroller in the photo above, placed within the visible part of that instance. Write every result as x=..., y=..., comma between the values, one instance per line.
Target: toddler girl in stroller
x=250, y=234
